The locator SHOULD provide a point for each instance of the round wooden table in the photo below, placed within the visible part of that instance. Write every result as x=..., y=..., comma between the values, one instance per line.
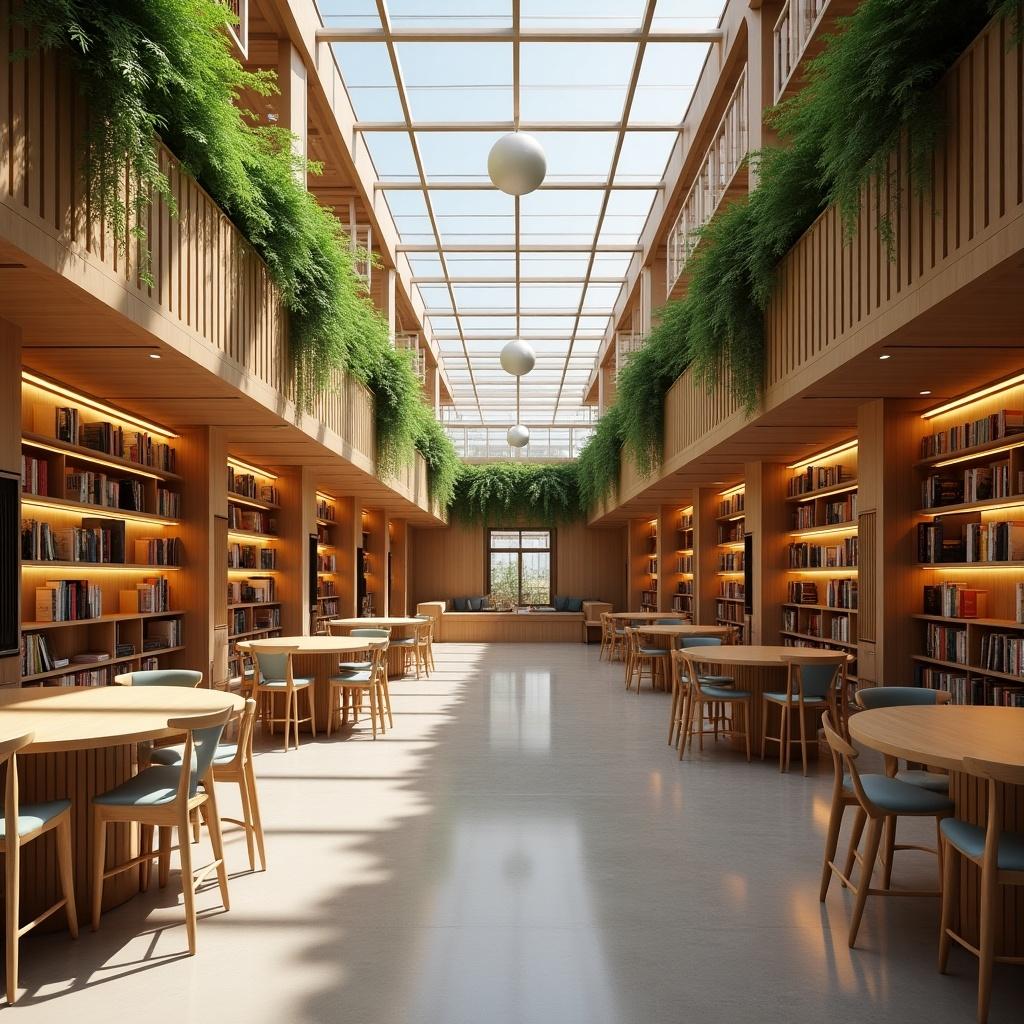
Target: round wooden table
x=86, y=739
x=670, y=635
x=315, y=656
x=758, y=669
x=401, y=628
x=629, y=617
x=942, y=736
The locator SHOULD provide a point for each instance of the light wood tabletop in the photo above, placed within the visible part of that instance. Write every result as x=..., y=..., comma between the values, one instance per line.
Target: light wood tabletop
x=85, y=717
x=375, y=623
x=686, y=629
x=758, y=655
x=943, y=735
x=318, y=644
x=643, y=616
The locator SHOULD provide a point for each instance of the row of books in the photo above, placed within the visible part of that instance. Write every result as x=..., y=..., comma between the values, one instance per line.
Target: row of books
x=841, y=510
x=329, y=563
x=329, y=608
x=1001, y=541
x=685, y=521
x=726, y=611
x=35, y=475
x=946, y=643
x=266, y=618
x=977, y=690
x=652, y=566
x=253, y=590
x=1002, y=652
x=162, y=633
x=96, y=540
x=841, y=594
x=152, y=594
x=731, y=589
x=91, y=488
x=682, y=603
x=326, y=588
x=67, y=601
x=158, y=551
x=814, y=478
x=803, y=592
x=812, y=556
x=730, y=561
x=982, y=483
x=685, y=587
x=684, y=563
x=101, y=436
x=1004, y=423
x=251, y=556
x=253, y=520
x=804, y=518
x=248, y=486
x=168, y=503
x=325, y=510
x=729, y=533
x=955, y=601
x=237, y=621
x=732, y=505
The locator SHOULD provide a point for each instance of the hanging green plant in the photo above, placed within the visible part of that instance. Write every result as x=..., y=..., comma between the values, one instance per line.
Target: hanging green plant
x=507, y=493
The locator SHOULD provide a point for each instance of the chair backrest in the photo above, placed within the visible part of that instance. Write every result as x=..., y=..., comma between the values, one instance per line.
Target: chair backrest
x=845, y=753
x=701, y=641
x=378, y=660
x=246, y=728
x=998, y=775
x=670, y=622
x=161, y=677
x=815, y=677
x=683, y=666
x=203, y=733
x=899, y=696
x=275, y=662
x=8, y=753
x=377, y=633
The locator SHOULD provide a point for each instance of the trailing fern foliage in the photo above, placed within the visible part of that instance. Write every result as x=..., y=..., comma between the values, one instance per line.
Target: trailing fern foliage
x=597, y=467
x=509, y=493
x=165, y=68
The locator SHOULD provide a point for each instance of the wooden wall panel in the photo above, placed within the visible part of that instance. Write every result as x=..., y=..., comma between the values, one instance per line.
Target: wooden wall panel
x=449, y=563
x=10, y=438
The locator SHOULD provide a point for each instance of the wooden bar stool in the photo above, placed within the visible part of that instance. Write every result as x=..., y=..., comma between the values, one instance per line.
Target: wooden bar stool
x=276, y=678
x=427, y=642
x=21, y=824
x=698, y=691
x=656, y=659
x=675, y=718
x=373, y=681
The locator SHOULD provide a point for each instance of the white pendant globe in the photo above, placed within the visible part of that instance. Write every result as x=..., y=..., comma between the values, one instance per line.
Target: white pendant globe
x=516, y=164
x=518, y=436
x=518, y=358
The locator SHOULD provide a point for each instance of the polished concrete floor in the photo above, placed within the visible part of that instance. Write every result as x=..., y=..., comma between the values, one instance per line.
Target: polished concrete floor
x=523, y=848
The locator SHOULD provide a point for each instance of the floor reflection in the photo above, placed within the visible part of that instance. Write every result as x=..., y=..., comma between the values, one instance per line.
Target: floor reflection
x=512, y=935
x=520, y=711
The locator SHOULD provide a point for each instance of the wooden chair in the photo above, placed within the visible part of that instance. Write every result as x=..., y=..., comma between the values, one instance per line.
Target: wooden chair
x=879, y=799
x=410, y=648
x=698, y=691
x=373, y=681
x=638, y=655
x=613, y=638
x=675, y=718
x=164, y=797
x=233, y=763
x=365, y=632
x=275, y=678
x=23, y=823
x=999, y=855
x=811, y=686
x=425, y=643
x=905, y=696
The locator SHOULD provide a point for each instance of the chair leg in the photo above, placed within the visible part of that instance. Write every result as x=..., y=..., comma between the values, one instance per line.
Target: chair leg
x=746, y=727
x=145, y=847
x=250, y=846
x=254, y=805
x=950, y=895
x=188, y=890
x=672, y=722
x=67, y=880
x=784, y=737
x=195, y=826
x=12, y=872
x=212, y=816
x=987, y=941
x=835, y=824
x=164, y=861
x=312, y=714
x=99, y=856
x=867, y=869
x=764, y=728
x=371, y=692
x=855, y=833
x=802, y=712
x=386, y=691
x=889, y=838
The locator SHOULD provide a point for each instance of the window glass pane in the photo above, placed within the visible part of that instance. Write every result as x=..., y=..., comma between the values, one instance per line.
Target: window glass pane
x=504, y=539
x=504, y=578
x=536, y=539
x=536, y=577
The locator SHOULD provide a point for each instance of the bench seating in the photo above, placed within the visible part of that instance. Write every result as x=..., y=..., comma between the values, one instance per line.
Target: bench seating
x=512, y=627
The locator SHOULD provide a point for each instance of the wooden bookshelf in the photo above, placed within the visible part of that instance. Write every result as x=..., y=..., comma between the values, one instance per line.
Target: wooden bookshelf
x=683, y=575
x=252, y=573
x=730, y=544
x=971, y=476
x=100, y=503
x=822, y=552
x=643, y=565
x=328, y=576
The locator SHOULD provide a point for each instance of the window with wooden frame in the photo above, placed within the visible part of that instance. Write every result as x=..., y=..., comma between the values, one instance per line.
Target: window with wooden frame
x=520, y=567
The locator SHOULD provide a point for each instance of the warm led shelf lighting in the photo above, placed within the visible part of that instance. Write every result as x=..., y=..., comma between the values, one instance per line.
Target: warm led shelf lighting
x=97, y=458
x=98, y=511
x=79, y=399
x=959, y=510
x=733, y=490
x=821, y=531
x=974, y=396
x=57, y=567
x=846, y=446
x=978, y=455
x=251, y=538
x=832, y=570
x=239, y=464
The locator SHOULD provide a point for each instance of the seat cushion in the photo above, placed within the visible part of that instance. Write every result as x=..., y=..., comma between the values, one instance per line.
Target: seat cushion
x=561, y=604
x=33, y=816
x=724, y=693
x=172, y=755
x=780, y=698
x=926, y=780
x=355, y=666
x=902, y=798
x=574, y=604
x=355, y=679
x=653, y=652
x=150, y=788
x=282, y=684
x=460, y=604
x=405, y=641
x=717, y=680
x=970, y=839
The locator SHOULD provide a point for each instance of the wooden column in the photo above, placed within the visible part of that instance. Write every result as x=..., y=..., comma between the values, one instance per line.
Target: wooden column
x=375, y=546
x=888, y=493
x=296, y=521
x=292, y=81
x=398, y=570
x=10, y=455
x=349, y=539
x=705, y=555
x=767, y=519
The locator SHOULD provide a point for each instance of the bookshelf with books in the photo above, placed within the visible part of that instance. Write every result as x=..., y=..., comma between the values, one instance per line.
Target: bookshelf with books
x=254, y=557
x=969, y=548
x=682, y=577
x=730, y=520
x=821, y=559
x=100, y=551
x=328, y=556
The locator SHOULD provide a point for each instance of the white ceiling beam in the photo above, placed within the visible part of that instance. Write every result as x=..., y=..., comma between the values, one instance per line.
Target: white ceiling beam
x=486, y=186
x=576, y=34
x=369, y=127
x=471, y=336
x=477, y=279
x=510, y=247
x=512, y=311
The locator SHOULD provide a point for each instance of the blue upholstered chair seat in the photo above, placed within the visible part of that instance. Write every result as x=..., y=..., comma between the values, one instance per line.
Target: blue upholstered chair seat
x=151, y=787
x=619, y=631
x=33, y=816
x=780, y=698
x=654, y=652
x=404, y=641
x=172, y=755
x=926, y=780
x=895, y=797
x=282, y=684
x=355, y=666
x=970, y=839
x=723, y=692
x=362, y=678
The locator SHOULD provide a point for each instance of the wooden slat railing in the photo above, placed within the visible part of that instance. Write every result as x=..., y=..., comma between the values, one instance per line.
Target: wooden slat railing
x=793, y=30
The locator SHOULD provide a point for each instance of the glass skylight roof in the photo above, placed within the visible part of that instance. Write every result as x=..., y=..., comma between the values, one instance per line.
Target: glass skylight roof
x=549, y=267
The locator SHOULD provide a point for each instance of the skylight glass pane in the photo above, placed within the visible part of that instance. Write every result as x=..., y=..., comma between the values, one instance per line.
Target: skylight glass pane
x=458, y=81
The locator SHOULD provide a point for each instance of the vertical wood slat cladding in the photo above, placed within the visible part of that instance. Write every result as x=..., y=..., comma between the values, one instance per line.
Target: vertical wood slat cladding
x=205, y=277
x=832, y=283
x=867, y=539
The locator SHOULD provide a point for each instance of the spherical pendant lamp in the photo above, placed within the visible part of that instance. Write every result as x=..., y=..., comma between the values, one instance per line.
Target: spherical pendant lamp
x=518, y=358
x=516, y=164
x=518, y=436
